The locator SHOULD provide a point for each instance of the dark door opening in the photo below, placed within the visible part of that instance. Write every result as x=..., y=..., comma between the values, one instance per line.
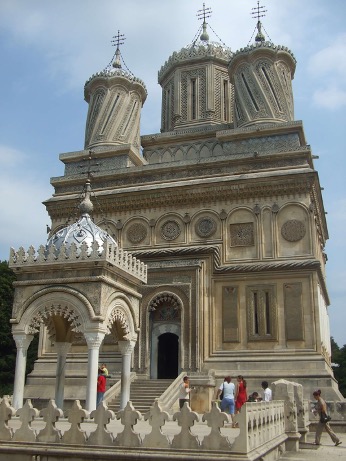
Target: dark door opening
x=167, y=357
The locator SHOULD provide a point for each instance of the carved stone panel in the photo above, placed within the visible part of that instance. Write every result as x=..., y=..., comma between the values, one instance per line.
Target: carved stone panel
x=136, y=233
x=230, y=321
x=293, y=230
x=205, y=227
x=170, y=230
x=242, y=234
x=293, y=311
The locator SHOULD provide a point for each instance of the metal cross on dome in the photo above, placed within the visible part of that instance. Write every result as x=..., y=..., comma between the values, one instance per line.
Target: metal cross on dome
x=204, y=13
x=117, y=41
x=258, y=13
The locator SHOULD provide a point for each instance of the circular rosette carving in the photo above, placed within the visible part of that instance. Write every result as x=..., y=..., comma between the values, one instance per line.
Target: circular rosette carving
x=136, y=233
x=205, y=227
x=170, y=230
x=293, y=230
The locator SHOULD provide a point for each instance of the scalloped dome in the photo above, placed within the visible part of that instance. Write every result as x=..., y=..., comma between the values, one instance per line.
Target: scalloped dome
x=198, y=50
x=82, y=231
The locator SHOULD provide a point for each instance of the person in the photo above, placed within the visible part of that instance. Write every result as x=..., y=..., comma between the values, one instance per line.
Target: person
x=254, y=397
x=101, y=386
x=267, y=394
x=320, y=408
x=240, y=393
x=227, y=403
x=184, y=392
x=104, y=369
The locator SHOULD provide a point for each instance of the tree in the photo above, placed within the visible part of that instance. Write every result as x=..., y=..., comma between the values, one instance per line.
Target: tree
x=8, y=350
x=7, y=345
x=339, y=365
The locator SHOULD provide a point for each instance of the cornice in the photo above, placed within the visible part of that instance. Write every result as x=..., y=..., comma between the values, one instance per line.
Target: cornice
x=238, y=267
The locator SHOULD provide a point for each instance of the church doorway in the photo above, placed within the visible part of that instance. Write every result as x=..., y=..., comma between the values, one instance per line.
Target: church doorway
x=165, y=341
x=168, y=355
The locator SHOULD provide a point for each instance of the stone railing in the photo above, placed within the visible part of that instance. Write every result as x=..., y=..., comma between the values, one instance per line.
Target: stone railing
x=336, y=409
x=75, y=254
x=262, y=431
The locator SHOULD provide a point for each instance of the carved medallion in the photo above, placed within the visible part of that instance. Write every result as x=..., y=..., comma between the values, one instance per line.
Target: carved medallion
x=170, y=230
x=136, y=233
x=293, y=230
x=205, y=227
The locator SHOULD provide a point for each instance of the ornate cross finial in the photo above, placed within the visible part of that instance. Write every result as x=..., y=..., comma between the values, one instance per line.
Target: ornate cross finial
x=258, y=13
x=117, y=41
x=90, y=165
x=203, y=14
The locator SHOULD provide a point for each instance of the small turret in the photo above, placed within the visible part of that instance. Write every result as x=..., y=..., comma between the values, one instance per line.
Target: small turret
x=115, y=98
x=261, y=74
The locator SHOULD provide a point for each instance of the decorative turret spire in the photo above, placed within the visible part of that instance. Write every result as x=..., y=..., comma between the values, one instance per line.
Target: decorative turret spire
x=203, y=14
x=258, y=13
x=117, y=41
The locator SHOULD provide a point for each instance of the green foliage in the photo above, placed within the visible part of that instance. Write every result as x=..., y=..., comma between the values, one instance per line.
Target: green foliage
x=339, y=365
x=7, y=345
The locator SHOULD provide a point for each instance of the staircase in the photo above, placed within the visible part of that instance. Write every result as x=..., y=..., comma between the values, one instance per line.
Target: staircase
x=143, y=393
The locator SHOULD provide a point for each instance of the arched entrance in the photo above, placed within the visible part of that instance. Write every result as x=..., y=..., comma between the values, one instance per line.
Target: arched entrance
x=165, y=336
x=168, y=356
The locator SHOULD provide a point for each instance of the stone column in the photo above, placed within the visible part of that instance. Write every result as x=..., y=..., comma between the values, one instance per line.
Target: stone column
x=126, y=349
x=94, y=341
x=22, y=342
x=61, y=349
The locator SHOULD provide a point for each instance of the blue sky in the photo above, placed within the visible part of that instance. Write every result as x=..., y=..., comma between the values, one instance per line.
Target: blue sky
x=49, y=48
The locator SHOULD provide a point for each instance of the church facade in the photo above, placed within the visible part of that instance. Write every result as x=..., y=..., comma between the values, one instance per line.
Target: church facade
x=224, y=207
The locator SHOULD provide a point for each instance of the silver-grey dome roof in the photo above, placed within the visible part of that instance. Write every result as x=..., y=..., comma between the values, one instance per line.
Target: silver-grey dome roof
x=82, y=231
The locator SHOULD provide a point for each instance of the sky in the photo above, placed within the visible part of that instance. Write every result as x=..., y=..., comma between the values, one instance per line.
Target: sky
x=49, y=48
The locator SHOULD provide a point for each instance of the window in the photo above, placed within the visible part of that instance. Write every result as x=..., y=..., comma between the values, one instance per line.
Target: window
x=261, y=312
x=193, y=99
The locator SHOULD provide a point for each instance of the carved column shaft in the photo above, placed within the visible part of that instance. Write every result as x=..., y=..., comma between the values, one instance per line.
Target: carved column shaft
x=62, y=350
x=94, y=341
x=22, y=342
x=126, y=349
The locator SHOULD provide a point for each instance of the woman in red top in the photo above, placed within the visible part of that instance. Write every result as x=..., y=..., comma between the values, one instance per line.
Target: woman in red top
x=240, y=393
x=101, y=387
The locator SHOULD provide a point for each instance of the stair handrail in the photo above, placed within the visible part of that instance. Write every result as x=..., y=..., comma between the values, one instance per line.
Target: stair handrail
x=171, y=394
x=114, y=390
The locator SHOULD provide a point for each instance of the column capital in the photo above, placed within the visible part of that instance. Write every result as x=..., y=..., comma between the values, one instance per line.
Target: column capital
x=94, y=339
x=22, y=340
x=126, y=347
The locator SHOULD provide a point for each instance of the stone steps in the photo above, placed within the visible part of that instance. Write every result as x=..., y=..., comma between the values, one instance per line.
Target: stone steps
x=143, y=394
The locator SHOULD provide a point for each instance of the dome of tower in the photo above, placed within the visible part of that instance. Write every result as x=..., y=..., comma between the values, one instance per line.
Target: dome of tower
x=82, y=231
x=197, y=51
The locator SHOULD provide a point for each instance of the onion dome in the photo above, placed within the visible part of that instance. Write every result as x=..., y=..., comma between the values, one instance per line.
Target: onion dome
x=82, y=231
x=115, y=97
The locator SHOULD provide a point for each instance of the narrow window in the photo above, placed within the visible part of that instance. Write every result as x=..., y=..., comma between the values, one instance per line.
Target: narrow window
x=249, y=92
x=267, y=312
x=256, y=313
x=168, y=109
x=110, y=113
x=225, y=100
x=193, y=99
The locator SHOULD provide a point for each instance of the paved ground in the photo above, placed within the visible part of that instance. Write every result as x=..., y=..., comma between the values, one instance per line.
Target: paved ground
x=325, y=452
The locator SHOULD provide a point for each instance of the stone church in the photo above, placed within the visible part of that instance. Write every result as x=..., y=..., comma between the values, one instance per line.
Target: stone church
x=224, y=208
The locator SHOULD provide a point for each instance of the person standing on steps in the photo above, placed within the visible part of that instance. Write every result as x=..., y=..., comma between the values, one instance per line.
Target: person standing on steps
x=101, y=386
x=321, y=411
x=227, y=403
x=240, y=393
x=184, y=392
x=267, y=394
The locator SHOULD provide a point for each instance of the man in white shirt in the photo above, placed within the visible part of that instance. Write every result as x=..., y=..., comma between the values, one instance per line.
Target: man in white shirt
x=184, y=392
x=267, y=394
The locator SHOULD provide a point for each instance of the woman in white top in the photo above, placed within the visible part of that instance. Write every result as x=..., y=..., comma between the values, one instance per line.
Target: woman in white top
x=227, y=403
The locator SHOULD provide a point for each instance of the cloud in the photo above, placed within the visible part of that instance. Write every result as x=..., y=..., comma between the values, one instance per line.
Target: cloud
x=328, y=66
x=10, y=157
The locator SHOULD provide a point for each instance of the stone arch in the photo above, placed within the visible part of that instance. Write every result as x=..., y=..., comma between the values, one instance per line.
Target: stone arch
x=120, y=318
x=62, y=309
x=293, y=230
x=168, y=324
x=166, y=157
x=205, y=152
